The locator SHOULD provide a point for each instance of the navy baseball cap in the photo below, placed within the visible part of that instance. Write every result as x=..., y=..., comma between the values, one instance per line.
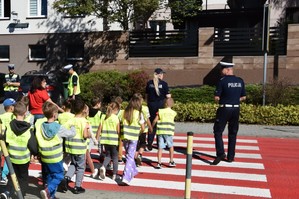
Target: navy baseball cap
x=8, y=102
x=159, y=71
x=226, y=64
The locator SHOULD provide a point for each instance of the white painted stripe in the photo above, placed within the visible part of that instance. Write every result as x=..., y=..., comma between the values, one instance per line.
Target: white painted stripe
x=208, y=153
x=244, y=165
x=198, y=187
x=202, y=173
x=210, y=139
x=240, y=147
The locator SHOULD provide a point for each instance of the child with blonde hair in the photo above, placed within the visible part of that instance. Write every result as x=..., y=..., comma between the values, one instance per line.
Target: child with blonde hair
x=165, y=131
x=109, y=132
x=133, y=124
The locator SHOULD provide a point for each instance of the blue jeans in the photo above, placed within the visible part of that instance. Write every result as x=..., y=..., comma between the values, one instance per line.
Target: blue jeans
x=54, y=175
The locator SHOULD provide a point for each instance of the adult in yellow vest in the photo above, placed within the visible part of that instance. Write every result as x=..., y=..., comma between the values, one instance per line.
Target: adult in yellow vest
x=73, y=82
x=11, y=84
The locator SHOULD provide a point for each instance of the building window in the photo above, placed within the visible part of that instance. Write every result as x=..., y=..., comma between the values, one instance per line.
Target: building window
x=37, y=52
x=4, y=8
x=4, y=53
x=75, y=52
x=38, y=8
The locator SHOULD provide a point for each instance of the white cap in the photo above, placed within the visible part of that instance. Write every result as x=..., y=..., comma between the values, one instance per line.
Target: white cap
x=226, y=64
x=68, y=67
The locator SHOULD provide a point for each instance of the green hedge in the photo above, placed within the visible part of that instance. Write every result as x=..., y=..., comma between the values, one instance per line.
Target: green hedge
x=197, y=104
x=250, y=114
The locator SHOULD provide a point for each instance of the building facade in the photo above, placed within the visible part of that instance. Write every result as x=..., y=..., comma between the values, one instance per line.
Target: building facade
x=34, y=36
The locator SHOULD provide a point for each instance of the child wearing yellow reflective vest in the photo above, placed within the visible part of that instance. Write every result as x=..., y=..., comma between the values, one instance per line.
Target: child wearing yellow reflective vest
x=95, y=118
x=133, y=124
x=77, y=147
x=142, y=137
x=63, y=118
x=21, y=142
x=109, y=130
x=165, y=131
x=50, y=136
x=5, y=119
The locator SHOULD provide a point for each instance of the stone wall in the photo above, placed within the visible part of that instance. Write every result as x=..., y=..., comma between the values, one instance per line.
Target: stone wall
x=204, y=69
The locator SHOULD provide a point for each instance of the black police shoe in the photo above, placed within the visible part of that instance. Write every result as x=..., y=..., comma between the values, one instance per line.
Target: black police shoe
x=218, y=159
x=78, y=190
x=64, y=184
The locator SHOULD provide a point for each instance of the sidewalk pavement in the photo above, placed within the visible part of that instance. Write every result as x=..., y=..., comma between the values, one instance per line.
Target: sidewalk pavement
x=244, y=130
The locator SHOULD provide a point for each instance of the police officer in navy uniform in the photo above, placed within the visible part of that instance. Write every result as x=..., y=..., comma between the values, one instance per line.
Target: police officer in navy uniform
x=156, y=91
x=11, y=84
x=229, y=92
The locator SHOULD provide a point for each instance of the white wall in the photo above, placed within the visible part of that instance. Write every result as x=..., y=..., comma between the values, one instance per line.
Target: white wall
x=54, y=22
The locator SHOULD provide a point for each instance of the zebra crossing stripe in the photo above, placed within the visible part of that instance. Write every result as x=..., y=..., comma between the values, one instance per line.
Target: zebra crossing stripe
x=209, y=139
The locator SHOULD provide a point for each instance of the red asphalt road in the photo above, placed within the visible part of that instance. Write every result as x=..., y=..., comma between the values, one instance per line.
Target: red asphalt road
x=279, y=157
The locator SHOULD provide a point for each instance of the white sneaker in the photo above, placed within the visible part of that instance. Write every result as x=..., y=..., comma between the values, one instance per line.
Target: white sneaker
x=172, y=164
x=3, y=196
x=95, y=173
x=65, y=166
x=102, y=172
x=4, y=181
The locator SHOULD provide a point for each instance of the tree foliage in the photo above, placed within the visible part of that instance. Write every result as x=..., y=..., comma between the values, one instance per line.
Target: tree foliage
x=123, y=12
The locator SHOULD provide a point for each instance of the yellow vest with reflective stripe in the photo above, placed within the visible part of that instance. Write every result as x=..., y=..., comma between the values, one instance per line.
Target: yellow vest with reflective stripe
x=76, y=145
x=131, y=132
x=145, y=113
x=64, y=117
x=17, y=146
x=165, y=124
x=109, y=134
x=50, y=150
x=71, y=86
x=6, y=119
x=12, y=79
x=96, y=121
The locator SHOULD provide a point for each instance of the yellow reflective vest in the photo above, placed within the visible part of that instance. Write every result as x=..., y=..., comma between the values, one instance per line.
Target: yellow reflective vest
x=131, y=132
x=76, y=145
x=96, y=121
x=109, y=134
x=6, y=119
x=165, y=124
x=13, y=78
x=64, y=117
x=71, y=86
x=146, y=115
x=50, y=149
x=17, y=146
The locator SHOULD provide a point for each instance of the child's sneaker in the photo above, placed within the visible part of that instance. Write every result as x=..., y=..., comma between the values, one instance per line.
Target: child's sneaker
x=45, y=194
x=4, y=181
x=4, y=195
x=102, y=172
x=95, y=173
x=78, y=190
x=139, y=160
x=159, y=166
x=172, y=164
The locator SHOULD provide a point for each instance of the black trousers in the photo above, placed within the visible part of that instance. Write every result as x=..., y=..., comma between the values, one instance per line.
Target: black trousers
x=226, y=115
x=22, y=174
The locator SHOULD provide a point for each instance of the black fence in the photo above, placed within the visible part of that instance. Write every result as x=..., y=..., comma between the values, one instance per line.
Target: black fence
x=248, y=41
x=227, y=42
x=163, y=44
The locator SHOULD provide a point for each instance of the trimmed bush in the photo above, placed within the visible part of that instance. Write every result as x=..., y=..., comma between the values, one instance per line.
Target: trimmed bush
x=109, y=84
